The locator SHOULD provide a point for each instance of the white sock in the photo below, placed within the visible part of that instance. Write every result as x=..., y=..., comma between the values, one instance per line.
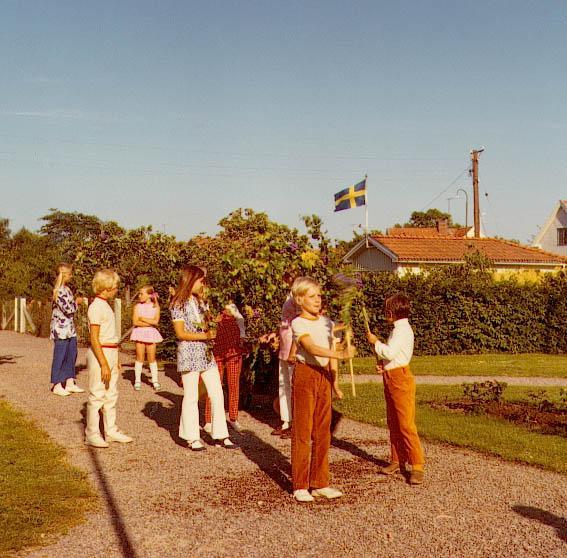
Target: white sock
x=154, y=371
x=138, y=372
x=285, y=425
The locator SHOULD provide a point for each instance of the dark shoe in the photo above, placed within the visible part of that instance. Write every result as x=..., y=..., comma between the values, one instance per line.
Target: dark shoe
x=416, y=477
x=278, y=431
x=390, y=469
x=286, y=434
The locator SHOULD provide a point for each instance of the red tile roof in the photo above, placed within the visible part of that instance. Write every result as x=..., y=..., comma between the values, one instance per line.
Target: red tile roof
x=427, y=232
x=446, y=249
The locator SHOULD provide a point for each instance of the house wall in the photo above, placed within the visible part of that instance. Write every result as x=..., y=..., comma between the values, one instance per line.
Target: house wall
x=549, y=240
x=497, y=269
x=371, y=259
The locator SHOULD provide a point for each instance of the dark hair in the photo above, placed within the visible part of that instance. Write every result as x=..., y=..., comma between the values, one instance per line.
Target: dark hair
x=397, y=306
x=190, y=274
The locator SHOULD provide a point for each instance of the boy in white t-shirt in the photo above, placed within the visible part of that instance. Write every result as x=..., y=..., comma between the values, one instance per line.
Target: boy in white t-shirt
x=102, y=363
x=314, y=379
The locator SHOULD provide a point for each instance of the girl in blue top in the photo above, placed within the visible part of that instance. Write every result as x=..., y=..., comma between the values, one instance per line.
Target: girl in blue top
x=189, y=313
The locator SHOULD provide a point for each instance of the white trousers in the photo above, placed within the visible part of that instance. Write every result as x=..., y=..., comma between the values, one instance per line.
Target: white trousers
x=189, y=423
x=285, y=373
x=99, y=396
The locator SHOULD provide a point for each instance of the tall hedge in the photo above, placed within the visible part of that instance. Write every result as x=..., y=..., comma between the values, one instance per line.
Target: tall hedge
x=459, y=309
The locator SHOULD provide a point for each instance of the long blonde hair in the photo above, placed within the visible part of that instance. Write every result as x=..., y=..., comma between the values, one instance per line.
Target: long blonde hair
x=59, y=280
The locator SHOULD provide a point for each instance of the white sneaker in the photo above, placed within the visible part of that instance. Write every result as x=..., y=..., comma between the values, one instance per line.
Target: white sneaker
x=326, y=492
x=74, y=389
x=60, y=390
x=303, y=495
x=97, y=441
x=208, y=428
x=118, y=437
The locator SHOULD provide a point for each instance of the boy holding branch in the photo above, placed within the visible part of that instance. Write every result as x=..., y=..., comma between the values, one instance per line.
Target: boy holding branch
x=399, y=389
x=314, y=379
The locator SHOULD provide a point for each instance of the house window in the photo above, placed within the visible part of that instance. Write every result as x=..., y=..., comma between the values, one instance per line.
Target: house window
x=562, y=237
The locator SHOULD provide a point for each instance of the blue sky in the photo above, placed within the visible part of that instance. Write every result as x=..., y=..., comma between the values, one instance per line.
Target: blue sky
x=176, y=113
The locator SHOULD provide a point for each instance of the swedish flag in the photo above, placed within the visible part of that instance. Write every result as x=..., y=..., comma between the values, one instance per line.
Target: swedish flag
x=353, y=196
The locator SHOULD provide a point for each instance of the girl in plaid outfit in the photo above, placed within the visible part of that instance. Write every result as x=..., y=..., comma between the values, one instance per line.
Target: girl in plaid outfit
x=228, y=350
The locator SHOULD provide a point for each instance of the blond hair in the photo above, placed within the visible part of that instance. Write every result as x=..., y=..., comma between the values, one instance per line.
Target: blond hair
x=300, y=287
x=59, y=281
x=105, y=279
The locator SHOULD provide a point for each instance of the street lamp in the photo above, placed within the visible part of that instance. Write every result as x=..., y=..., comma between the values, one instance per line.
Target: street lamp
x=466, y=206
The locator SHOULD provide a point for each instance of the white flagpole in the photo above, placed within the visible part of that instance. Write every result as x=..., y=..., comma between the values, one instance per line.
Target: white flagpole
x=366, y=209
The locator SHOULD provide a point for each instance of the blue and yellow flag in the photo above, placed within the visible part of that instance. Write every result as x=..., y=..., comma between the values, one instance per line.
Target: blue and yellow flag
x=353, y=196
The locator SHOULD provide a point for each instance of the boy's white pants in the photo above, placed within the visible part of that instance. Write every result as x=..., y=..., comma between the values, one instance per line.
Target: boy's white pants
x=189, y=424
x=285, y=372
x=99, y=396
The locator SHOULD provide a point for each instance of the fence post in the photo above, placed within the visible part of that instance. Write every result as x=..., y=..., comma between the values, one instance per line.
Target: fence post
x=16, y=308
x=22, y=316
x=118, y=317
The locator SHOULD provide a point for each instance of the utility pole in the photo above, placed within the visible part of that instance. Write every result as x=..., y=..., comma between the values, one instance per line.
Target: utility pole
x=476, y=209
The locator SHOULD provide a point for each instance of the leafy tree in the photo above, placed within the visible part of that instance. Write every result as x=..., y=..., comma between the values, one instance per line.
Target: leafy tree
x=428, y=218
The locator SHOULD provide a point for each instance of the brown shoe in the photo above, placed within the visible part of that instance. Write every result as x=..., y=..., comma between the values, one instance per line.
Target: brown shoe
x=286, y=434
x=416, y=477
x=390, y=469
x=277, y=432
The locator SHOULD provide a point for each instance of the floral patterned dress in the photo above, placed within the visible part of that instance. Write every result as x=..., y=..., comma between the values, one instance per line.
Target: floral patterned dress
x=64, y=309
x=192, y=356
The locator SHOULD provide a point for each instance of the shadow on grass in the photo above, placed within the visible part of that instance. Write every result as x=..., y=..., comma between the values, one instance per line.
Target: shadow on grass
x=120, y=528
x=545, y=517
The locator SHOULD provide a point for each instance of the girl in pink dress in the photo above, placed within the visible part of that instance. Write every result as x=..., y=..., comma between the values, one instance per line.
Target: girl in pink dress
x=145, y=318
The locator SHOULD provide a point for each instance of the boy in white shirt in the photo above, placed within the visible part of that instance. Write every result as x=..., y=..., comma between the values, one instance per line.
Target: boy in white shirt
x=399, y=389
x=102, y=363
x=314, y=379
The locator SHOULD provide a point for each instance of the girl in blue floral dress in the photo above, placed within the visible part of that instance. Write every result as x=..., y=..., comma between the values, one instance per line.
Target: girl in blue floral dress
x=63, y=333
x=195, y=360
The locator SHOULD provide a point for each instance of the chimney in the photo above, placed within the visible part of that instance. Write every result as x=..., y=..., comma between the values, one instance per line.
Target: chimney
x=443, y=227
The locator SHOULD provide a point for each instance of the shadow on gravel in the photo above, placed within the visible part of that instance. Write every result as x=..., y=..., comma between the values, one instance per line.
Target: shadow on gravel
x=120, y=528
x=269, y=460
x=166, y=416
x=9, y=359
x=548, y=518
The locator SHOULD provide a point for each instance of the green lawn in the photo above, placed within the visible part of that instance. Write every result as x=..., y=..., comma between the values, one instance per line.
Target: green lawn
x=41, y=495
x=477, y=365
x=482, y=433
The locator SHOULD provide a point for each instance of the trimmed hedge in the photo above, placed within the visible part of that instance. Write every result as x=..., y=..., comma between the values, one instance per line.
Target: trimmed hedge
x=459, y=309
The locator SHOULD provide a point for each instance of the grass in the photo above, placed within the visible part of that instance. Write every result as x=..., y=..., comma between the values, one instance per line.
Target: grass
x=518, y=365
x=41, y=495
x=482, y=433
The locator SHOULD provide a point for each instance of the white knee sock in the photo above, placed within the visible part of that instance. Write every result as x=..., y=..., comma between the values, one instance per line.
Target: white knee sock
x=138, y=372
x=154, y=371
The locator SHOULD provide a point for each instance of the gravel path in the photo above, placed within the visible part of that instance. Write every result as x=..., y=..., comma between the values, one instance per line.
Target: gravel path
x=160, y=499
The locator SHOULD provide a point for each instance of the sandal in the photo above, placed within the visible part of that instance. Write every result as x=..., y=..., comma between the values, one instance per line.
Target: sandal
x=227, y=443
x=197, y=445
x=137, y=386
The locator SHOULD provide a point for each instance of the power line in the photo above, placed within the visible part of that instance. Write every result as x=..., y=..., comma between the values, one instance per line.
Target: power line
x=445, y=190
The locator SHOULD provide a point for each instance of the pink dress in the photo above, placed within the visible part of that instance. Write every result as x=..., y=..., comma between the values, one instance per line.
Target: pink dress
x=146, y=334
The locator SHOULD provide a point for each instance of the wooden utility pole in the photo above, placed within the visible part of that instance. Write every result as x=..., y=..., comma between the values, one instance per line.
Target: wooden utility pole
x=476, y=204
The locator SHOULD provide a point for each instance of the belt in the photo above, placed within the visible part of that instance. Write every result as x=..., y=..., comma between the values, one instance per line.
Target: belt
x=115, y=346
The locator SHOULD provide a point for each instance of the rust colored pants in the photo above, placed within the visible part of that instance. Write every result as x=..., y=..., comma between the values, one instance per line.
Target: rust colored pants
x=311, y=427
x=399, y=391
x=233, y=367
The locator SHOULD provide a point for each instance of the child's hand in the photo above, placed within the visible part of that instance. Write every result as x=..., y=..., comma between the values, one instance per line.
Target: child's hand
x=105, y=375
x=371, y=338
x=337, y=390
x=347, y=353
x=380, y=367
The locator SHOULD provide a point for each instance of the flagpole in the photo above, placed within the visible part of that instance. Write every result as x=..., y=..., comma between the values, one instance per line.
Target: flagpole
x=366, y=209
